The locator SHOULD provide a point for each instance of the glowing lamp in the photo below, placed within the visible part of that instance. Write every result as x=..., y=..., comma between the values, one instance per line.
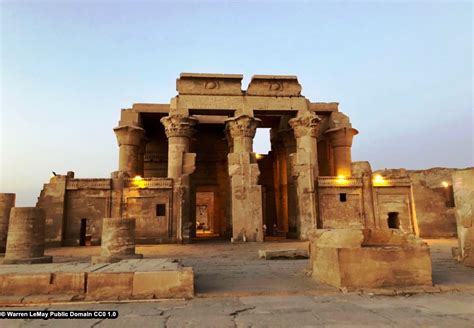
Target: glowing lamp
x=445, y=184
x=258, y=156
x=341, y=180
x=138, y=182
x=379, y=180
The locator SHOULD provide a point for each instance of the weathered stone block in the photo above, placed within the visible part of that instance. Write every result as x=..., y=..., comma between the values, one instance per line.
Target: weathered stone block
x=274, y=85
x=67, y=283
x=164, y=284
x=209, y=84
x=109, y=285
x=383, y=258
x=25, y=284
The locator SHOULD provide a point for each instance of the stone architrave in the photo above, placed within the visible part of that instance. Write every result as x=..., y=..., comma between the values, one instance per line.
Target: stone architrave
x=341, y=142
x=181, y=163
x=246, y=194
x=304, y=165
x=26, y=231
x=129, y=139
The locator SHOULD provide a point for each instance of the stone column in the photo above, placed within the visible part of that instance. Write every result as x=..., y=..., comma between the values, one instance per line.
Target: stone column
x=129, y=139
x=7, y=201
x=289, y=143
x=305, y=171
x=341, y=142
x=118, y=241
x=181, y=163
x=25, y=242
x=246, y=194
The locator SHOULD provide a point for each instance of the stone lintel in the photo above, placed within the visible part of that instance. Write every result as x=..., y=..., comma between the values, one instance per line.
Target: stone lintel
x=274, y=85
x=209, y=84
x=320, y=107
x=151, y=108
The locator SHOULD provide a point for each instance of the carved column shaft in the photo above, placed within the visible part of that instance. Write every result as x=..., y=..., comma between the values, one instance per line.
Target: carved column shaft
x=341, y=142
x=129, y=139
x=179, y=130
x=243, y=171
x=289, y=143
x=305, y=171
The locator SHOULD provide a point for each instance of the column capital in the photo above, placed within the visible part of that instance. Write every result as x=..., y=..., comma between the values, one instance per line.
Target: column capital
x=305, y=125
x=342, y=136
x=129, y=135
x=242, y=126
x=179, y=125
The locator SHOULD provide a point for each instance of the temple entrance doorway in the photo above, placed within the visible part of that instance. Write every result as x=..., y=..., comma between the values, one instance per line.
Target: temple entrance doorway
x=207, y=223
x=209, y=182
x=85, y=235
x=278, y=187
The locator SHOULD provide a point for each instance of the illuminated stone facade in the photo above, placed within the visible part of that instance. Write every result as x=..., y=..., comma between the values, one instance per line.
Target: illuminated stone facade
x=202, y=143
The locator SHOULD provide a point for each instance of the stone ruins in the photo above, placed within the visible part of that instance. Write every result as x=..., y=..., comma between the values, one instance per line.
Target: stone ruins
x=188, y=169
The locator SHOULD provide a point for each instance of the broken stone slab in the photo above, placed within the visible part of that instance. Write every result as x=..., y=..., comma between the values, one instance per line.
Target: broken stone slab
x=279, y=254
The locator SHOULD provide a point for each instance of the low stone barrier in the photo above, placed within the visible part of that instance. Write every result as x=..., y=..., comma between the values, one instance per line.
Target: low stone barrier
x=125, y=280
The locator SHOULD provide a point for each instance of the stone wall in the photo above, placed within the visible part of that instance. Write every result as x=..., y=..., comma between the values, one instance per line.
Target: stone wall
x=51, y=200
x=341, y=207
x=151, y=208
x=394, y=200
x=85, y=207
x=436, y=219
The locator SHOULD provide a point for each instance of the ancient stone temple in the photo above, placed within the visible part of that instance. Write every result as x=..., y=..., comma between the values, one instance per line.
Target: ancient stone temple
x=188, y=168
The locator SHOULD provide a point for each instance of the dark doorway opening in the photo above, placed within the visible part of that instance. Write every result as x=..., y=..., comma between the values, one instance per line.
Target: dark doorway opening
x=393, y=220
x=85, y=236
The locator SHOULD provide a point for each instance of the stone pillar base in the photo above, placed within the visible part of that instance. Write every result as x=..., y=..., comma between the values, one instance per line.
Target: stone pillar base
x=32, y=260
x=115, y=259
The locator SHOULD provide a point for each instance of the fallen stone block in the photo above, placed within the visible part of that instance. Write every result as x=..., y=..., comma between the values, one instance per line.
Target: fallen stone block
x=279, y=254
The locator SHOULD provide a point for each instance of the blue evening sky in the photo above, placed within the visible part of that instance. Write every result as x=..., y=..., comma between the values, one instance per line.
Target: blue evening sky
x=402, y=71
